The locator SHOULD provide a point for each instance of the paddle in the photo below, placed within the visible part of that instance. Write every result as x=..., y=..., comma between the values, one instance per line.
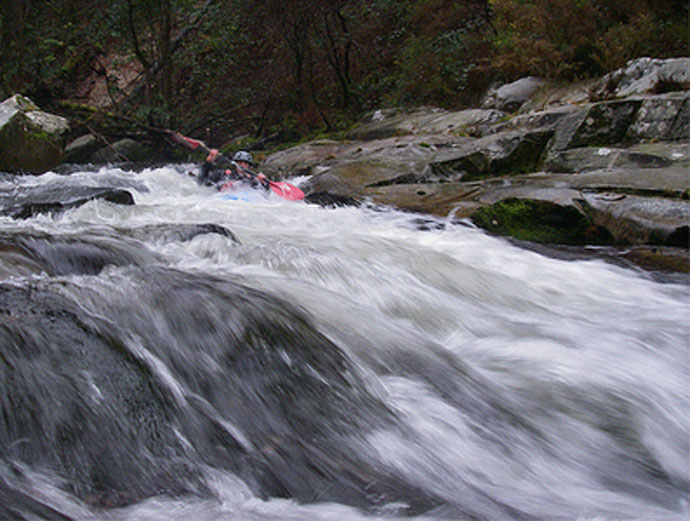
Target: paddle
x=285, y=190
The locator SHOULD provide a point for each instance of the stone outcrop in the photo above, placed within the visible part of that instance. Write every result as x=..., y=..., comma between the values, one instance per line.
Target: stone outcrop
x=644, y=76
x=82, y=149
x=89, y=149
x=31, y=141
x=512, y=96
x=609, y=167
x=125, y=149
x=25, y=202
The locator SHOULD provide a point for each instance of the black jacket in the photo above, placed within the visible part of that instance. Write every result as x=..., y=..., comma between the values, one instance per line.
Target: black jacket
x=217, y=173
x=223, y=170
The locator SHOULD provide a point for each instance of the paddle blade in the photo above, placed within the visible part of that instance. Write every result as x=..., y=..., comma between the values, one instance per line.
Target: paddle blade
x=287, y=191
x=185, y=141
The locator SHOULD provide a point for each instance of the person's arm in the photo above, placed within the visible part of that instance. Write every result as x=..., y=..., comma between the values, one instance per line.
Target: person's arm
x=263, y=180
x=254, y=178
x=211, y=174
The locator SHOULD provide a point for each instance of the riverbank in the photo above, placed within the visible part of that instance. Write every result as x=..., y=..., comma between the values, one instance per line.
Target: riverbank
x=603, y=163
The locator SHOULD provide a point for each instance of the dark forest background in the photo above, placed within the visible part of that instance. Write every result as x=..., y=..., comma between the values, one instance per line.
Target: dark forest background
x=279, y=70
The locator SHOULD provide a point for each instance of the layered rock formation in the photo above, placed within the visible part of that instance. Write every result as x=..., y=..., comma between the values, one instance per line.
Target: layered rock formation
x=600, y=163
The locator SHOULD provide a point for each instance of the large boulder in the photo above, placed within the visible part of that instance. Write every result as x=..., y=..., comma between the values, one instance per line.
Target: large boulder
x=512, y=96
x=123, y=150
x=31, y=141
x=82, y=149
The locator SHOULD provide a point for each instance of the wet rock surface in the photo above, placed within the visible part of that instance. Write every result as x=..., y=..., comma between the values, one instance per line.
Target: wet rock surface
x=253, y=385
x=616, y=152
x=25, y=202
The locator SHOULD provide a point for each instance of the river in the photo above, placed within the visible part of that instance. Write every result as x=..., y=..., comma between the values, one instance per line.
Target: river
x=327, y=364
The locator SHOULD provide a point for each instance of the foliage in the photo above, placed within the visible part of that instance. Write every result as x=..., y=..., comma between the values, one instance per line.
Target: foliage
x=41, y=45
x=264, y=71
x=568, y=39
x=425, y=52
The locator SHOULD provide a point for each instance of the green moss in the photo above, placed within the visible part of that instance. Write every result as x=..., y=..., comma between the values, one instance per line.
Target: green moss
x=39, y=135
x=71, y=105
x=540, y=221
x=25, y=103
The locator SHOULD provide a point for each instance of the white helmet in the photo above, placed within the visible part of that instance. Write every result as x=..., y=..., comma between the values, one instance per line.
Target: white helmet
x=243, y=155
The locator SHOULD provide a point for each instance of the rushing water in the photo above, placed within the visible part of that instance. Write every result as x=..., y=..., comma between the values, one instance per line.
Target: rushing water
x=327, y=364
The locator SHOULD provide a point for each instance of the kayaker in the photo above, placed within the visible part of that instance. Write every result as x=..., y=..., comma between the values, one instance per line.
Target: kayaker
x=213, y=174
x=243, y=159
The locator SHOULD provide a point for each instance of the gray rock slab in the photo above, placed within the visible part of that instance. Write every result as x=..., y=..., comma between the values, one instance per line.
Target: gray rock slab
x=677, y=152
x=428, y=121
x=596, y=158
x=643, y=76
x=672, y=180
x=439, y=199
x=639, y=220
x=664, y=117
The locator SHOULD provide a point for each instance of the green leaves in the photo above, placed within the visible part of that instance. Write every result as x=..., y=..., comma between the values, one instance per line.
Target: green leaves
x=243, y=65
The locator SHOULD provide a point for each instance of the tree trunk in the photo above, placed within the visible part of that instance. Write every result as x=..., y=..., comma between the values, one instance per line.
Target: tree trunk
x=338, y=51
x=166, y=62
x=14, y=14
x=153, y=69
x=138, y=52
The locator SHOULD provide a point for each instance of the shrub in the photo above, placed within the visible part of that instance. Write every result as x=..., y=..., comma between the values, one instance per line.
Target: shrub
x=568, y=39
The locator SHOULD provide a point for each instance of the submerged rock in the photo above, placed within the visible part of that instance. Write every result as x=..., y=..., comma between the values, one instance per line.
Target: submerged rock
x=147, y=382
x=73, y=400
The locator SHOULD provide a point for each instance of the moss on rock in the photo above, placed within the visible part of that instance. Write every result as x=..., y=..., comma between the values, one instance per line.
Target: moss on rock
x=540, y=221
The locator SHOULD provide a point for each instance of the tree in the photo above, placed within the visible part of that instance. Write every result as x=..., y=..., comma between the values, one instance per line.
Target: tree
x=147, y=28
x=565, y=39
x=13, y=25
